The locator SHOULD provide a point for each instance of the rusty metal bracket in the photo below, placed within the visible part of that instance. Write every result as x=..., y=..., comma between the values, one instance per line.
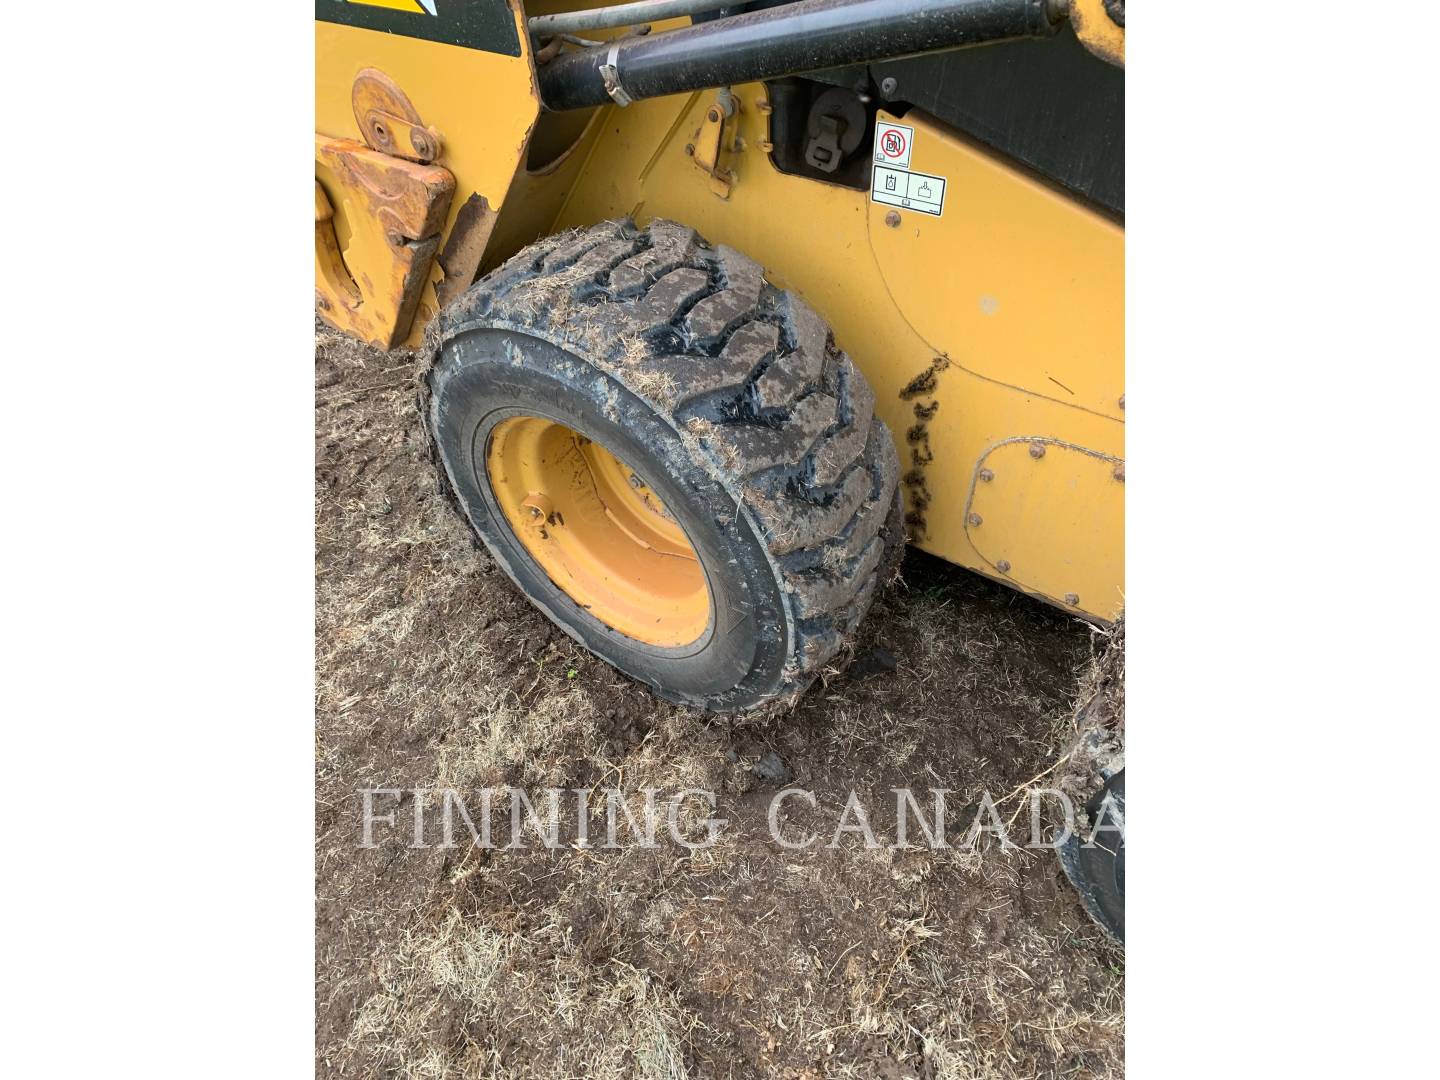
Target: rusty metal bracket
x=393, y=210
x=464, y=248
x=714, y=138
x=388, y=121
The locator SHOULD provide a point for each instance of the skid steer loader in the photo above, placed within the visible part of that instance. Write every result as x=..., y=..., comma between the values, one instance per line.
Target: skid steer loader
x=727, y=301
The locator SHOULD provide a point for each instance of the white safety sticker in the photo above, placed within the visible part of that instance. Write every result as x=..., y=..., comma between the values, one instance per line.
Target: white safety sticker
x=909, y=190
x=893, y=143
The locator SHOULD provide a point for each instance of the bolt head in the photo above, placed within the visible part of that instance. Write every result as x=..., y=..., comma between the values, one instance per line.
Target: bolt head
x=1122, y=401
x=888, y=86
x=1003, y=566
x=893, y=219
x=1119, y=472
x=538, y=505
x=974, y=519
x=1072, y=599
x=1037, y=450
x=986, y=475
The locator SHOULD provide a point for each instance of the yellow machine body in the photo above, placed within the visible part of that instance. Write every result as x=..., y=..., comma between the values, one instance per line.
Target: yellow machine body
x=993, y=334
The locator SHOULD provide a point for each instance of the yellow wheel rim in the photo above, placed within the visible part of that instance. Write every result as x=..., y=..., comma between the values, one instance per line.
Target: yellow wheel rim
x=598, y=530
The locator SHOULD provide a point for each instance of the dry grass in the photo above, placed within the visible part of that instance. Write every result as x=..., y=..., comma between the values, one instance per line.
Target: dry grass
x=739, y=960
x=701, y=436
x=652, y=385
x=437, y=991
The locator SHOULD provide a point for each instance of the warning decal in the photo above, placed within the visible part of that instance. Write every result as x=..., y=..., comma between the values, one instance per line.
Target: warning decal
x=892, y=144
x=892, y=182
x=910, y=190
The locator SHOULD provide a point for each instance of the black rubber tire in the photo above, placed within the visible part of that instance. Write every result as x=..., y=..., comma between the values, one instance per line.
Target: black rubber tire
x=729, y=397
x=1097, y=869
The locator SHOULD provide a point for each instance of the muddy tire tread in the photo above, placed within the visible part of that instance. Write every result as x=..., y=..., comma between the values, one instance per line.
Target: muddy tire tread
x=750, y=377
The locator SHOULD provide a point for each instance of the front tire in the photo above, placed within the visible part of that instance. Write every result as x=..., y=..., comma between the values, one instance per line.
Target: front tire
x=754, y=460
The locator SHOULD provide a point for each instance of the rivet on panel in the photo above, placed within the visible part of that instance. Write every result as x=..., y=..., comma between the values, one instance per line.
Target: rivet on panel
x=1003, y=566
x=974, y=519
x=893, y=219
x=1072, y=599
x=1037, y=450
x=1119, y=472
x=986, y=475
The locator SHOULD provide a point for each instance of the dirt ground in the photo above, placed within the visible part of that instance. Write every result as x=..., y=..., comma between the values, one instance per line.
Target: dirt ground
x=742, y=959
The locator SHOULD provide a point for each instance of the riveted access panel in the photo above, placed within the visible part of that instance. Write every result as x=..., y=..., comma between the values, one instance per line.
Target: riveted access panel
x=1049, y=517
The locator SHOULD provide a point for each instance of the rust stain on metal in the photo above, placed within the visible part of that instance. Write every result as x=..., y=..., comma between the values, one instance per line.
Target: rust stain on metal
x=917, y=437
x=387, y=120
x=395, y=210
x=924, y=383
x=549, y=51
x=464, y=248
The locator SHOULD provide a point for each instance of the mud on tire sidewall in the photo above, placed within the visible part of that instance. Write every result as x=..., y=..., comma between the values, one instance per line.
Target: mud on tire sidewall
x=487, y=375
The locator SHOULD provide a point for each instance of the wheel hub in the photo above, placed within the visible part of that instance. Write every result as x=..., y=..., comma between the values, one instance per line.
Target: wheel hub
x=598, y=530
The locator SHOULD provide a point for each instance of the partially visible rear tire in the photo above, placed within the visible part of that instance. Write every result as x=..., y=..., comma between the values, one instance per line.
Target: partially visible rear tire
x=1095, y=862
x=670, y=457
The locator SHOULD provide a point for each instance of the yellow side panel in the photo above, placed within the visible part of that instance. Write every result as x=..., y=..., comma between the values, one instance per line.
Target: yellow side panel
x=482, y=104
x=1041, y=515
x=1014, y=281
x=963, y=325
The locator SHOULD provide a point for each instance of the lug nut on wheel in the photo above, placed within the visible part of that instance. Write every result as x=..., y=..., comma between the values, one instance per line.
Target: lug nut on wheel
x=539, y=505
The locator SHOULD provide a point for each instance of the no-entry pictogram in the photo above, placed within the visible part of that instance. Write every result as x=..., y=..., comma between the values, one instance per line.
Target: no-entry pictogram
x=893, y=144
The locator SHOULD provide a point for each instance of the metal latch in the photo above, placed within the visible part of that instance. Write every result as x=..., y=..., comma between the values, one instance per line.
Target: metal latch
x=716, y=136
